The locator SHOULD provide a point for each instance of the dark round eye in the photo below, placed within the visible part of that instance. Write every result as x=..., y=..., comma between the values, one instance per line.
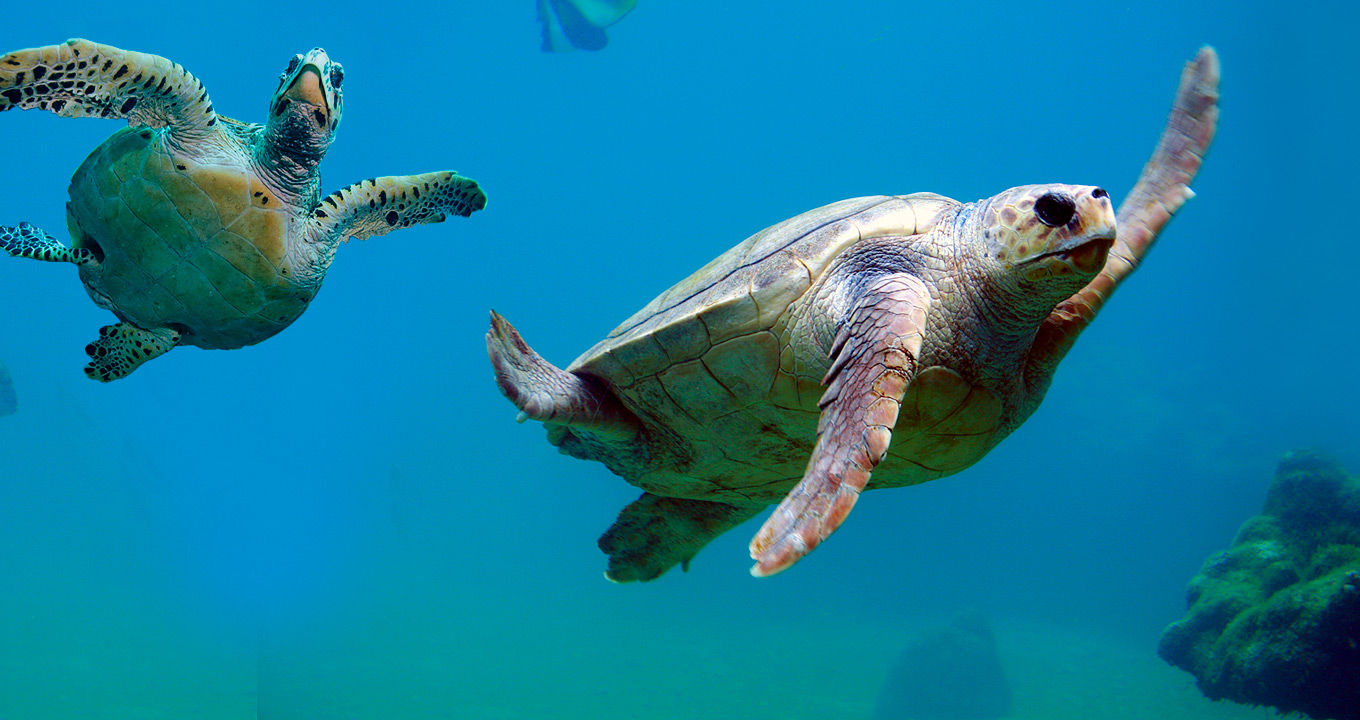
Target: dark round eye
x=337, y=76
x=293, y=64
x=1054, y=209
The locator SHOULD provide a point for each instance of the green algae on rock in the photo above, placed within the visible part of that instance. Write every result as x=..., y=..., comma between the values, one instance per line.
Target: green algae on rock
x=1275, y=619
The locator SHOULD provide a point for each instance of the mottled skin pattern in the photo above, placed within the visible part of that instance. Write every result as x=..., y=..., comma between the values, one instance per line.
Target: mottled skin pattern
x=194, y=228
x=876, y=342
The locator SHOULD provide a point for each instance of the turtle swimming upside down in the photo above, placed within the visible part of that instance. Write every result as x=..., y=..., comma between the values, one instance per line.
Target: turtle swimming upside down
x=193, y=227
x=875, y=342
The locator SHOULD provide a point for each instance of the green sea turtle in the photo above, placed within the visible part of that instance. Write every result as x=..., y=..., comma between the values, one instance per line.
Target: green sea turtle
x=194, y=228
x=900, y=336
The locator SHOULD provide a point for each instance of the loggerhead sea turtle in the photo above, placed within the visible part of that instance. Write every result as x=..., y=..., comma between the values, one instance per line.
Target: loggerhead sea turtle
x=900, y=336
x=193, y=227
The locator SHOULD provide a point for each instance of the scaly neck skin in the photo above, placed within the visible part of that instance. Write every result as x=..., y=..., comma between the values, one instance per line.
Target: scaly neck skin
x=288, y=156
x=292, y=171
x=1008, y=304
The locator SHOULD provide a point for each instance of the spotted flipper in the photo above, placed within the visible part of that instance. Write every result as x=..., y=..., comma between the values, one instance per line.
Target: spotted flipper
x=123, y=348
x=654, y=534
x=548, y=394
x=83, y=79
x=379, y=206
x=30, y=241
x=872, y=361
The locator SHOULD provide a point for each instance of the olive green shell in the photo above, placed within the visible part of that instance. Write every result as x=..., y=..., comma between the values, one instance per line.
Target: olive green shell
x=748, y=287
x=195, y=246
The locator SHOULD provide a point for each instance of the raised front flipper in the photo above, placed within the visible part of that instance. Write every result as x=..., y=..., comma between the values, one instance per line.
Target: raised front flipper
x=873, y=360
x=654, y=534
x=547, y=393
x=1162, y=189
x=32, y=242
x=83, y=79
x=379, y=206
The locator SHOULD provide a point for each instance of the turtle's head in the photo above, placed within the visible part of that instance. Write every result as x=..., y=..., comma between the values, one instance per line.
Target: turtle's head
x=305, y=110
x=1046, y=241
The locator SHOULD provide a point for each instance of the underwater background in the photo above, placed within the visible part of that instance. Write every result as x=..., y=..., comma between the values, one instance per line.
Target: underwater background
x=345, y=521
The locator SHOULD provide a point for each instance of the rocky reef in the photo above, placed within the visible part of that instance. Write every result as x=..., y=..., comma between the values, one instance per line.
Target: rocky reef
x=1275, y=619
x=948, y=673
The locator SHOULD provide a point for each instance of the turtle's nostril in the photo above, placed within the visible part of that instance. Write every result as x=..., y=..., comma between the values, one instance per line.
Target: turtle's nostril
x=1099, y=193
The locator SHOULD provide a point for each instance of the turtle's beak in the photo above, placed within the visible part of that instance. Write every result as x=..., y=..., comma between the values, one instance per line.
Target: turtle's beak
x=1100, y=229
x=1086, y=248
x=307, y=87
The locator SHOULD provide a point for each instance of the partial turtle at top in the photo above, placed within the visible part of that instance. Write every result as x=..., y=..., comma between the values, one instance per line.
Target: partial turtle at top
x=579, y=24
x=194, y=228
x=893, y=337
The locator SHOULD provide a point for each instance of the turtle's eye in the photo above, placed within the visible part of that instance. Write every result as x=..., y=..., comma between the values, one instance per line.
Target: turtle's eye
x=1054, y=209
x=337, y=76
x=293, y=64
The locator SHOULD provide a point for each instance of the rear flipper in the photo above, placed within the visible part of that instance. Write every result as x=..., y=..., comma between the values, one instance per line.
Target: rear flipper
x=123, y=348
x=546, y=393
x=32, y=242
x=654, y=534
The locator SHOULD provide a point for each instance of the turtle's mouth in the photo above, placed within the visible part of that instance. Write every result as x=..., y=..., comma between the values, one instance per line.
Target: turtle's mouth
x=1088, y=257
x=308, y=88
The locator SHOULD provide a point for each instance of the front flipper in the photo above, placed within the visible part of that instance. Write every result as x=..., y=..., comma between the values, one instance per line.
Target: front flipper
x=1162, y=188
x=547, y=393
x=873, y=360
x=379, y=206
x=654, y=534
x=32, y=242
x=83, y=79
x=123, y=348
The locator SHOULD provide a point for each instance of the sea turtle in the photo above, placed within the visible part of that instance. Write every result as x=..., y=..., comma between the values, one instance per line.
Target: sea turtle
x=904, y=336
x=194, y=228
x=572, y=24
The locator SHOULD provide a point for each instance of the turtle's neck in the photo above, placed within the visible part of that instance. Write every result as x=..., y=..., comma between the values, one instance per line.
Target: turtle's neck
x=1011, y=306
x=296, y=177
x=289, y=156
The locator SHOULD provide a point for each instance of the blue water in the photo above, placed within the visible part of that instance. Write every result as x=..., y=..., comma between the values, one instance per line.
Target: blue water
x=345, y=521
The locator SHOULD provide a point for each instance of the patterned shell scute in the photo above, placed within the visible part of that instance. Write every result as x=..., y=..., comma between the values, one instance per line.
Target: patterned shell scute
x=190, y=244
x=746, y=289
